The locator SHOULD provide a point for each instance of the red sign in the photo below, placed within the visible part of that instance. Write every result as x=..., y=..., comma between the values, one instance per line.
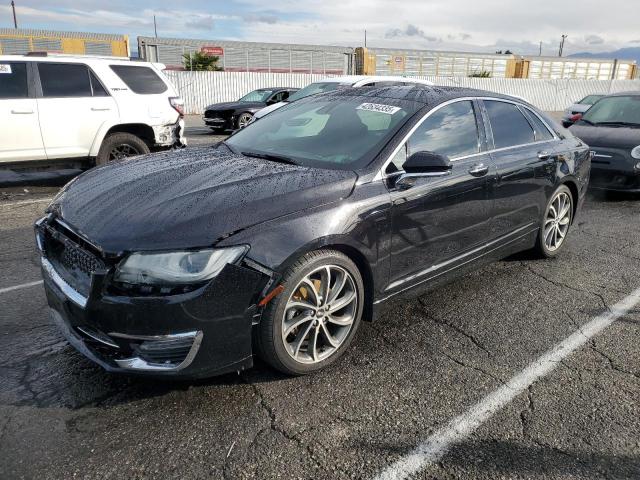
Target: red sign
x=212, y=50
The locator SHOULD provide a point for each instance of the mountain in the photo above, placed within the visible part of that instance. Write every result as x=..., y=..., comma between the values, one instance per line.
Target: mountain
x=628, y=53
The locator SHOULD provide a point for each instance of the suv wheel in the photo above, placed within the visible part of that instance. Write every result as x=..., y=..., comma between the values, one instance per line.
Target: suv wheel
x=119, y=146
x=556, y=222
x=312, y=322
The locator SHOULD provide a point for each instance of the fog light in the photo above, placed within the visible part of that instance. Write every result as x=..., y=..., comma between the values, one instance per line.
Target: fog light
x=637, y=166
x=635, y=153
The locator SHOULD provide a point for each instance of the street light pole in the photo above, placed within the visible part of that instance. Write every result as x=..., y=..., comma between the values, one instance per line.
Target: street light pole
x=13, y=8
x=562, y=45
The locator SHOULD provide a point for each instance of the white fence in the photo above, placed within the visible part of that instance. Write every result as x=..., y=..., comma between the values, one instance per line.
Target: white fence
x=200, y=89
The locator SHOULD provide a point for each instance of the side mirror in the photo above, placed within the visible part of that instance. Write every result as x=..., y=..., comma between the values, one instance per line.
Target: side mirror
x=421, y=165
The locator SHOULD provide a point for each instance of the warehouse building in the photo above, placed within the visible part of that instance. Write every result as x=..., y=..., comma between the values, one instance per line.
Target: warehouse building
x=21, y=41
x=251, y=56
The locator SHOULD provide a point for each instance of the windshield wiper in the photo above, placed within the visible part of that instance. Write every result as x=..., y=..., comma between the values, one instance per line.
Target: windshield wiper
x=271, y=156
x=589, y=122
x=619, y=124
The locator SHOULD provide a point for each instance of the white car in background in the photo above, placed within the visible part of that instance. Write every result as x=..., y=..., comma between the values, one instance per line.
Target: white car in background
x=61, y=109
x=334, y=83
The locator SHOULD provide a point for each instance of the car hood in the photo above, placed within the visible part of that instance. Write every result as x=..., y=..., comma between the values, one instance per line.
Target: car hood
x=261, y=113
x=578, y=108
x=235, y=106
x=612, y=137
x=192, y=198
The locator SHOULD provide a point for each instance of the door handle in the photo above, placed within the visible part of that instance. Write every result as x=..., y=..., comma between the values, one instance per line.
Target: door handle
x=22, y=112
x=94, y=109
x=544, y=155
x=479, y=170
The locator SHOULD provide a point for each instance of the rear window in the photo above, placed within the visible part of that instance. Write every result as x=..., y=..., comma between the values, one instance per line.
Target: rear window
x=13, y=80
x=142, y=80
x=509, y=126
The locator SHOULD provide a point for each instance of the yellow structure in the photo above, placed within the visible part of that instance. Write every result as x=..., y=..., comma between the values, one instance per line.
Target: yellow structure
x=21, y=41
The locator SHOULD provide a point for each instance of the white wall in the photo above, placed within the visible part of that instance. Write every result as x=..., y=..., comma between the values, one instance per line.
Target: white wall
x=200, y=89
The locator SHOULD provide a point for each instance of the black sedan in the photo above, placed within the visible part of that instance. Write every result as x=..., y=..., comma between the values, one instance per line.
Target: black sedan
x=282, y=239
x=235, y=115
x=612, y=129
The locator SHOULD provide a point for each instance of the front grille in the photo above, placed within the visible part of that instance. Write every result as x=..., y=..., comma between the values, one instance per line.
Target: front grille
x=222, y=114
x=74, y=262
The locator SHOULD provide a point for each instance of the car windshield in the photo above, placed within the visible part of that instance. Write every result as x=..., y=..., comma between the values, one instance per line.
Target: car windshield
x=344, y=132
x=623, y=110
x=590, y=99
x=318, y=87
x=257, y=96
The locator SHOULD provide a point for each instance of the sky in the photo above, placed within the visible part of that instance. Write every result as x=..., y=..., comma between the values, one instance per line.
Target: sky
x=467, y=25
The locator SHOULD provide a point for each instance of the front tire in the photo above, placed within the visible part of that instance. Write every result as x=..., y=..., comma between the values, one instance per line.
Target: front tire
x=312, y=322
x=557, y=220
x=244, y=119
x=119, y=146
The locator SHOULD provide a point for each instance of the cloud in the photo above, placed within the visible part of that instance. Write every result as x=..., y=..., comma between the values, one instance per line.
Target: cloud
x=594, y=40
x=260, y=18
x=409, y=31
x=203, y=22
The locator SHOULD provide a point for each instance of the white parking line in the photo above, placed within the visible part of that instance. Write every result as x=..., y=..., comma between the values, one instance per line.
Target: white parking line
x=18, y=287
x=26, y=202
x=436, y=446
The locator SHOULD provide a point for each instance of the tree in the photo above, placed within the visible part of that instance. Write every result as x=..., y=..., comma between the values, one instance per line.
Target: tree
x=481, y=74
x=200, y=61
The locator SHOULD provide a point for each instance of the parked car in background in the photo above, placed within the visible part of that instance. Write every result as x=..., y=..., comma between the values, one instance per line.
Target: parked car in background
x=235, y=115
x=300, y=226
x=64, y=109
x=335, y=83
x=612, y=129
x=575, y=111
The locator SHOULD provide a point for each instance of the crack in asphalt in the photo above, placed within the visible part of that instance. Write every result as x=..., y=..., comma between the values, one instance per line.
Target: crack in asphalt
x=476, y=368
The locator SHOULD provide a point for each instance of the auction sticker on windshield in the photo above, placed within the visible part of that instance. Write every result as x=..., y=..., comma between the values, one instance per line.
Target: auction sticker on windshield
x=5, y=68
x=376, y=107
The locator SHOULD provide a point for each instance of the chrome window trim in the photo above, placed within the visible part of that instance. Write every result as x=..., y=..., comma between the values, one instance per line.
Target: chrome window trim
x=73, y=295
x=546, y=125
x=137, y=363
x=381, y=175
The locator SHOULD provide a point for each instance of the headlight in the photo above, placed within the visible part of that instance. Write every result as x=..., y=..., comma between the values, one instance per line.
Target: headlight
x=635, y=152
x=176, y=268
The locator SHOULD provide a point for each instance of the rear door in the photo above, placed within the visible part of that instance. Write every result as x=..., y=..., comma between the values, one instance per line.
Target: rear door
x=440, y=219
x=20, y=138
x=525, y=157
x=73, y=105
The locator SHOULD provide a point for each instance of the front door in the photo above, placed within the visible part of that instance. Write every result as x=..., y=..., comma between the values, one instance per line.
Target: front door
x=440, y=219
x=20, y=138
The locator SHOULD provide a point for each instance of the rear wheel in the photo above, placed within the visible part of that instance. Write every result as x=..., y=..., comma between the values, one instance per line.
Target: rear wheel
x=556, y=222
x=312, y=322
x=119, y=146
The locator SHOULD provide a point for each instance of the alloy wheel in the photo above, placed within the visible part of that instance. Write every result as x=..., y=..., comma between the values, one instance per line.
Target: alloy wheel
x=319, y=314
x=557, y=221
x=123, y=151
x=244, y=120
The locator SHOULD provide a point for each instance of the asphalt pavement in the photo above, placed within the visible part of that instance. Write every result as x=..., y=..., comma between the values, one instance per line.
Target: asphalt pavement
x=405, y=378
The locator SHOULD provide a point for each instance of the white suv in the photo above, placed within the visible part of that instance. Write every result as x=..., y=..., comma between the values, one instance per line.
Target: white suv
x=85, y=109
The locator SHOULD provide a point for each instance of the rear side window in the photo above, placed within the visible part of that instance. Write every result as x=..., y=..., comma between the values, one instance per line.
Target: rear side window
x=64, y=80
x=451, y=130
x=96, y=86
x=13, y=80
x=541, y=130
x=509, y=126
x=142, y=80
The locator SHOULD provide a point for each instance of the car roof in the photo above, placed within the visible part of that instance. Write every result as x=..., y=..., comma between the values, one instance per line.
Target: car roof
x=352, y=79
x=632, y=93
x=425, y=94
x=61, y=58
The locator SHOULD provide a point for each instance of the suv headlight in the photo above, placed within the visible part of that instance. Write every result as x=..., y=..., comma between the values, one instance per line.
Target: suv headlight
x=176, y=268
x=635, y=152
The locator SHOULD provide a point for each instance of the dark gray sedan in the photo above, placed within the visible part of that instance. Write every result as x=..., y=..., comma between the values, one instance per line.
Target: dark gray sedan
x=612, y=129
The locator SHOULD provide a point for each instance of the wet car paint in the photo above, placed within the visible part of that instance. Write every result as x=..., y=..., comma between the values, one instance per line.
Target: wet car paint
x=210, y=197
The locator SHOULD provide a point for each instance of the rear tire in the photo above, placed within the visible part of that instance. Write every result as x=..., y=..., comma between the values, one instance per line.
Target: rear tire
x=334, y=314
x=119, y=146
x=555, y=223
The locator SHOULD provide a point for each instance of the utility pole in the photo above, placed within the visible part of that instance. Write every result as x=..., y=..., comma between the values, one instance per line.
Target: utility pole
x=15, y=20
x=365, y=38
x=562, y=45
x=540, y=52
x=155, y=26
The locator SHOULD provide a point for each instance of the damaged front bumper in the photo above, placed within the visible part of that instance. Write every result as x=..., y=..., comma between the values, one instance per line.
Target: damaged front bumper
x=201, y=333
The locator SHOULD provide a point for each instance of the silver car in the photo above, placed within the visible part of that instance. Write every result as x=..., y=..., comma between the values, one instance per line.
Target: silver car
x=575, y=111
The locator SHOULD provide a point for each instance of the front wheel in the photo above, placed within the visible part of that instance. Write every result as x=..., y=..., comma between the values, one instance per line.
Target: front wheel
x=556, y=222
x=244, y=120
x=312, y=322
x=119, y=146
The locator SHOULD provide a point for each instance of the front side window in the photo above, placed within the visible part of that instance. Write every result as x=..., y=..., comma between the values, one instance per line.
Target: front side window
x=621, y=110
x=13, y=80
x=139, y=79
x=64, y=80
x=509, y=126
x=328, y=132
x=452, y=130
